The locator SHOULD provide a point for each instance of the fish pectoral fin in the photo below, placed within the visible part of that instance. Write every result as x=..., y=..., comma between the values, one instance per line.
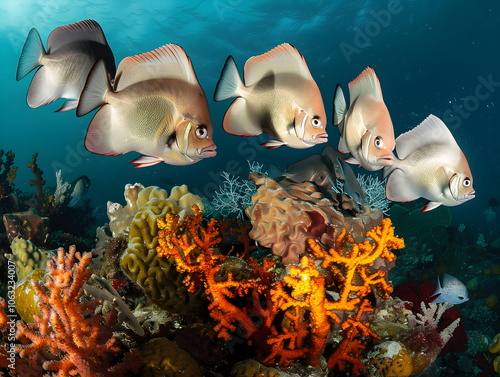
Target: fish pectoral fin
x=68, y=105
x=271, y=144
x=145, y=161
x=339, y=106
x=238, y=121
x=30, y=56
x=230, y=83
x=430, y=205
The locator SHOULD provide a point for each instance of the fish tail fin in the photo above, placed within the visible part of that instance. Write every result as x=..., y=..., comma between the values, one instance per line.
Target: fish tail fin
x=95, y=89
x=230, y=83
x=33, y=50
x=339, y=106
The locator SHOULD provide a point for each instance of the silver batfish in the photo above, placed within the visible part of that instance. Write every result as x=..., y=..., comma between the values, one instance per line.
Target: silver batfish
x=156, y=107
x=365, y=127
x=279, y=98
x=71, y=52
x=430, y=165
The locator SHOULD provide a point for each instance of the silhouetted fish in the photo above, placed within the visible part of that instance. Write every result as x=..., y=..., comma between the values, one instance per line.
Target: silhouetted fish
x=72, y=50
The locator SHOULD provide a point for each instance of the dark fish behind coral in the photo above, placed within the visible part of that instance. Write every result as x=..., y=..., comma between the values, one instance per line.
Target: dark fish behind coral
x=78, y=188
x=71, y=52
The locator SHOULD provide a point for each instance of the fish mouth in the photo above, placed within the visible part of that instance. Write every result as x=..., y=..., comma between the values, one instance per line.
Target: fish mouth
x=208, y=151
x=386, y=159
x=321, y=138
x=469, y=196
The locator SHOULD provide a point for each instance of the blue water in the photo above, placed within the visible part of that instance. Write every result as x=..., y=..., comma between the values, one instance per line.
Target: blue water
x=432, y=57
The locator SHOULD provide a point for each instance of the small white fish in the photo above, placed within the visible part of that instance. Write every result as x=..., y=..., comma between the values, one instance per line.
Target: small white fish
x=365, y=128
x=430, y=165
x=72, y=50
x=279, y=98
x=156, y=107
x=452, y=291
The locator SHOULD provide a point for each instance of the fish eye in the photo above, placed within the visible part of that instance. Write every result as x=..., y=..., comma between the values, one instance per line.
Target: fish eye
x=316, y=122
x=466, y=182
x=378, y=142
x=201, y=132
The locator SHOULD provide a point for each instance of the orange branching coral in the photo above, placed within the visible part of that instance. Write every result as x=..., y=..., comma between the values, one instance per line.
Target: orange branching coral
x=295, y=314
x=72, y=339
x=350, y=348
x=350, y=262
x=190, y=245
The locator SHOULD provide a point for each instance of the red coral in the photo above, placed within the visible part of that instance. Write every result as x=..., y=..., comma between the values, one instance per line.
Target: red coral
x=69, y=336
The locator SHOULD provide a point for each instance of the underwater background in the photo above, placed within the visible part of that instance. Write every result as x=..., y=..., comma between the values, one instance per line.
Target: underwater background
x=432, y=57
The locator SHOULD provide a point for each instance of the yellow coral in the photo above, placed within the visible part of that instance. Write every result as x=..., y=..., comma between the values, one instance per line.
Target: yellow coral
x=27, y=257
x=163, y=358
x=390, y=359
x=26, y=298
x=158, y=276
x=494, y=346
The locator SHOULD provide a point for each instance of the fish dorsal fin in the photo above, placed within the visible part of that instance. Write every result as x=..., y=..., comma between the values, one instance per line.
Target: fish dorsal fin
x=167, y=62
x=282, y=59
x=431, y=131
x=366, y=83
x=88, y=30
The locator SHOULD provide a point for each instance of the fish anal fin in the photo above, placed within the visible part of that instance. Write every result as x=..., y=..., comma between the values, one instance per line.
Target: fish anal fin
x=68, y=105
x=167, y=62
x=42, y=90
x=87, y=30
x=367, y=83
x=282, y=59
x=399, y=188
x=352, y=160
x=237, y=121
x=100, y=138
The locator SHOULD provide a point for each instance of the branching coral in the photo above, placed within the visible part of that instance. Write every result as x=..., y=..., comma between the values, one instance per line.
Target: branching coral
x=7, y=173
x=77, y=341
x=288, y=318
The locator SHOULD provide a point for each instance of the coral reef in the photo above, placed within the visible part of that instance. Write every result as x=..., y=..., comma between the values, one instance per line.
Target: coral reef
x=390, y=359
x=25, y=297
x=120, y=217
x=161, y=282
x=27, y=257
x=69, y=338
x=296, y=313
x=27, y=225
x=7, y=173
x=284, y=215
x=163, y=358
